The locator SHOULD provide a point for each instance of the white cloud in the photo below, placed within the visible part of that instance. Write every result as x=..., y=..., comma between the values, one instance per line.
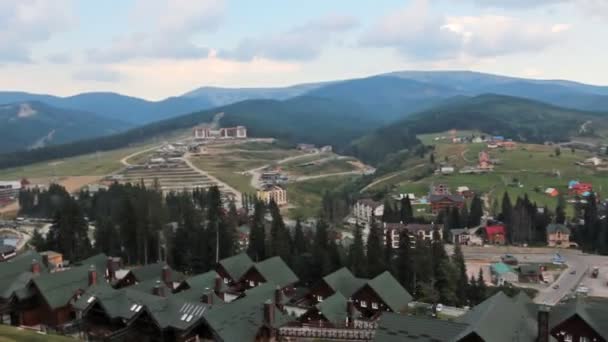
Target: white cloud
x=419, y=33
x=301, y=43
x=517, y=3
x=24, y=23
x=175, y=22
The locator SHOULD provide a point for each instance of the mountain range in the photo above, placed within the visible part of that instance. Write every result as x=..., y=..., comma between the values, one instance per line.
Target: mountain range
x=375, y=101
x=34, y=125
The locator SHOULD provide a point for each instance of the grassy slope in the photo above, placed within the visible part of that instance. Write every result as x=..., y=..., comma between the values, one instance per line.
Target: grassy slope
x=306, y=196
x=12, y=334
x=531, y=164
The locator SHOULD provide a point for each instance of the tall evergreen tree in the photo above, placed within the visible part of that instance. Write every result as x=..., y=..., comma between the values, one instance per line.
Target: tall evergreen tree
x=300, y=243
x=476, y=212
x=506, y=216
x=406, y=213
x=462, y=286
x=356, y=255
x=280, y=240
x=560, y=210
x=405, y=264
x=375, y=252
x=257, y=234
x=388, y=251
x=320, y=254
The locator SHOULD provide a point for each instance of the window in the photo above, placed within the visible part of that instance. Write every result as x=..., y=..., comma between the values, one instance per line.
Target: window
x=363, y=304
x=252, y=283
x=226, y=280
x=584, y=339
x=374, y=305
x=568, y=338
x=319, y=298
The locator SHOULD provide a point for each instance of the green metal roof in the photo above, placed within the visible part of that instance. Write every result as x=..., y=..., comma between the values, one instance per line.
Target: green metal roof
x=334, y=308
x=390, y=291
x=344, y=281
x=242, y=319
x=58, y=288
x=237, y=265
x=276, y=271
x=401, y=328
x=594, y=311
x=501, y=319
x=501, y=268
x=154, y=272
x=555, y=228
x=128, y=304
x=15, y=273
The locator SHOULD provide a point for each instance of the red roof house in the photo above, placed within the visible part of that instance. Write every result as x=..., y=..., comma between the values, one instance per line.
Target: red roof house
x=495, y=234
x=581, y=188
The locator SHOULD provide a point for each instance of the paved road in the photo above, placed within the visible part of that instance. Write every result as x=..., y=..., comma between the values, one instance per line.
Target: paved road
x=380, y=180
x=567, y=282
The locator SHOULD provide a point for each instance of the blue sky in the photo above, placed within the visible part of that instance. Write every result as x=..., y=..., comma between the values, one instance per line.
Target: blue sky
x=159, y=48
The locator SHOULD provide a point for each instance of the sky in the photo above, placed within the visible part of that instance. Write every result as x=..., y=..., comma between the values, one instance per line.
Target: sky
x=159, y=48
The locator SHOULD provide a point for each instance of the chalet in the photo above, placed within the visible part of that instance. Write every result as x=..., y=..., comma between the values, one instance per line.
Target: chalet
x=580, y=320
x=334, y=312
x=242, y=237
x=341, y=281
x=440, y=189
x=52, y=259
x=151, y=272
x=49, y=297
x=232, y=269
x=15, y=275
x=440, y=203
x=383, y=293
x=201, y=284
x=399, y=328
x=131, y=315
x=364, y=209
x=495, y=234
x=273, y=270
x=558, y=235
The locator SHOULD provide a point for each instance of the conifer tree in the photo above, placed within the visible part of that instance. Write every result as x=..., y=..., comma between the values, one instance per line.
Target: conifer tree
x=406, y=213
x=300, y=242
x=357, y=262
x=476, y=212
x=404, y=264
x=257, y=234
x=462, y=282
x=375, y=252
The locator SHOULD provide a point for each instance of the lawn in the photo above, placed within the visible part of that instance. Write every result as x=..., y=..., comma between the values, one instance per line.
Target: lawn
x=12, y=334
x=324, y=167
x=101, y=163
x=306, y=196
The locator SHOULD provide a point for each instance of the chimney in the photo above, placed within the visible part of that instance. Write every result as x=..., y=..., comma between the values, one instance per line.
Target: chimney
x=278, y=296
x=268, y=313
x=218, y=284
x=208, y=297
x=158, y=289
x=92, y=276
x=543, y=323
x=111, y=272
x=350, y=313
x=166, y=275
x=35, y=267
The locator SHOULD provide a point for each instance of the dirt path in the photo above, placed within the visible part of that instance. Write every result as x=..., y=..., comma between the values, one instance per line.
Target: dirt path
x=325, y=175
x=385, y=178
x=125, y=160
x=256, y=173
x=464, y=156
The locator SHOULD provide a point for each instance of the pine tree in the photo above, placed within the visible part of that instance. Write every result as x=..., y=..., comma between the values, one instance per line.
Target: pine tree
x=375, y=252
x=404, y=263
x=320, y=254
x=38, y=241
x=257, y=234
x=476, y=212
x=388, y=215
x=388, y=251
x=481, y=287
x=356, y=255
x=300, y=243
x=280, y=241
x=406, y=213
x=506, y=215
x=462, y=287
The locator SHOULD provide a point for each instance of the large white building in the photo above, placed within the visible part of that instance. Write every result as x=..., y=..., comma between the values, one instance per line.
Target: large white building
x=205, y=132
x=9, y=190
x=365, y=210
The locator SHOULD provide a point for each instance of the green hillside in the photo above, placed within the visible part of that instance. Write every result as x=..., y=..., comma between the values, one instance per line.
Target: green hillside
x=33, y=124
x=516, y=118
x=303, y=119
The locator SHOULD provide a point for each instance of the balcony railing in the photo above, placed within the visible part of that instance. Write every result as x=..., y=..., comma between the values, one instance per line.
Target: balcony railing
x=328, y=333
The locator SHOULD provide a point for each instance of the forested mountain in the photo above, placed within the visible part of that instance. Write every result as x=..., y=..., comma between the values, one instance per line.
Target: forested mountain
x=387, y=98
x=557, y=92
x=301, y=119
x=34, y=124
x=516, y=118
x=114, y=106
x=216, y=96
